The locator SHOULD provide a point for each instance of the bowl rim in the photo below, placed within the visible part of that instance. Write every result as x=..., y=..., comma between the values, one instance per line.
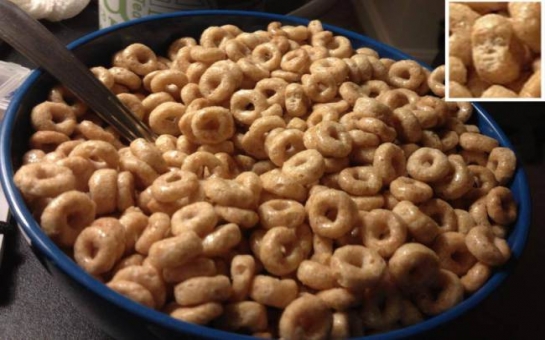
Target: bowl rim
x=47, y=247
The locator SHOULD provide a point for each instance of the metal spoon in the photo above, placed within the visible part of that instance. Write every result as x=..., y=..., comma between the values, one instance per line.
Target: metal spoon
x=35, y=42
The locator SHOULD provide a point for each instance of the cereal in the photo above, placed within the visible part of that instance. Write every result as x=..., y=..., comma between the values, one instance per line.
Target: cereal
x=290, y=172
x=493, y=47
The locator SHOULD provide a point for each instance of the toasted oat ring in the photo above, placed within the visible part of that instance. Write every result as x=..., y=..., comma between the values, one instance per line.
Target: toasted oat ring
x=502, y=162
x=244, y=218
x=253, y=141
x=487, y=247
x=174, y=185
x=501, y=206
x=228, y=193
x=44, y=180
x=103, y=75
x=357, y=267
x=406, y=125
x=50, y=116
x=267, y=55
x=101, y=154
x=125, y=77
x=149, y=153
x=319, y=87
x=405, y=188
x=212, y=125
x=66, y=216
x=281, y=212
x=296, y=61
x=383, y=231
x=215, y=36
x=453, y=253
x=483, y=183
x=420, y=226
x=443, y=294
x=278, y=183
x=436, y=81
x=280, y=251
x=138, y=58
x=283, y=145
x=169, y=81
x=296, y=321
x=247, y=106
x=60, y=94
x=335, y=67
x=133, y=291
x=389, y=162
x=144, y=174
x=199, y=217
x=163, y=119
x=330, y=138
x=125, y=190
x=457, y=183
x=414, y=266
x=331, y=213
x=273, y=89
x=47, y=141
x=304, y=167
x=99, y=246
x=442, y=213
x=220, y=80
x=252, y=70
x=147, y=277
x=360, y=181
x=398, y=98
x=428, y=165
x=406, y=74
x=204, y=164
x=477, y=142
x=103, y=190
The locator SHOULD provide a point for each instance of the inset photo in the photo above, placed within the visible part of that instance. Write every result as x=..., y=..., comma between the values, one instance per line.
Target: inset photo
x=493, y=51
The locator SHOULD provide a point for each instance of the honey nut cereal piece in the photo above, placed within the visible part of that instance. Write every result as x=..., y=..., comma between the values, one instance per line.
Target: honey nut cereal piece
x=296, y=61
x=103, y=190
x=453, y=253
x=244, y=218
x=157, y=229
x=462, y=17
x=163, y=118
x=295, y=100
x=532, y=87
x=248, y=316
x=484, y=181
x=383, y=231
x=221, y=240
x=33, y=156
x=406, y=74
x=36, y=180
x=147, y=277
x=428, y=165
x=330, y=138
x=203, y=289
x=335, y=67
x=99, y=246
x=446, y=292
x=281, y=212
x=316, y=275
x=134, y=104
x=340, y=328
x=200, y=266
x=360, y=181
x=304, y=167
x=407, y=126
x=101, y=154
x=60, y=94
x=377, y=127
x=501, y=206
x=382, y=307
x=81, y=168
x=228, y=193
x=144, y=174
x=177, y=44
x=243, y=270
x=464, y=220
x=486, y=247
x=436, y=81
x=211, y=125
x=297, y=322
x=125, y=77
x=357, y=267
x=51, y=116
x=475, y=277
x=253, y=141
x=457, y=183
x=273, y=89
x=280, y=251
x=174, y=185
x=405, y=188
x=457, y=90
x=331, y=213
x=134, y=222
x=526, y=21
x=103, y=75
x=201, y=314
x=396, y=98
x=502, y=162
x=215, y=36
x=496, y=50
x=175, y=251
x=47, y=141
x=281, y=185
x=498, y=91
x=138, y=58
x=479, y=213
x=133, y=291
x=273, y=292
x=413, y=267
x=319, y=87
x=220, y=80
x=204, y=165
x=420, y=226
x=457, y=70
x=441, y=212
x=267, y=55
x=340, y=299
x=389, y=162
x=247, y=105
x=283, y=145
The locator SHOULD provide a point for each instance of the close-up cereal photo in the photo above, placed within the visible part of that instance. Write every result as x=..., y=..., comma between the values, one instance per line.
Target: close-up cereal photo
x=494, y=50
x=312, y=169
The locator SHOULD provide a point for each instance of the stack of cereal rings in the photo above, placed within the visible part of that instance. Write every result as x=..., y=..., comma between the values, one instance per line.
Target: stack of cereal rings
x=495, y=49
x=299, y=188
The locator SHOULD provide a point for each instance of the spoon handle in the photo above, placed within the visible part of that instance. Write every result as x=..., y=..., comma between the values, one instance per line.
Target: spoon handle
x=34, y=41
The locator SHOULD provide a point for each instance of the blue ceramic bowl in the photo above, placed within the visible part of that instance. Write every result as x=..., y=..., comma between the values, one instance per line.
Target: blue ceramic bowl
x=119, y=316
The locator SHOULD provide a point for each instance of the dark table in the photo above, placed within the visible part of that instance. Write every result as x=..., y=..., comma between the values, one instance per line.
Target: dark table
x=33, y=307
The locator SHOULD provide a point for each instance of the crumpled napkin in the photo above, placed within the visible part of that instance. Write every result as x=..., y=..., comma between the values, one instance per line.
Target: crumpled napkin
x=52, y=10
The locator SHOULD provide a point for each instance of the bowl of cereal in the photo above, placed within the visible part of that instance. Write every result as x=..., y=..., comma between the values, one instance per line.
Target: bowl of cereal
x=306, y=182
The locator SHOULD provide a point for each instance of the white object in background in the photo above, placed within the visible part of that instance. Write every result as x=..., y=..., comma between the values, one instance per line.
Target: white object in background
x=52, y=10
x=11, y=76
x=412, y=26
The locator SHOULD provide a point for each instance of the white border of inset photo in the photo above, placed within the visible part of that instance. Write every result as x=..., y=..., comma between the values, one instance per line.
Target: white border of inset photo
x=447, y=53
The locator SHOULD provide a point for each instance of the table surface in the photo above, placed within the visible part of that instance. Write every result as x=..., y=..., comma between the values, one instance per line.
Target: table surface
x=33, y=307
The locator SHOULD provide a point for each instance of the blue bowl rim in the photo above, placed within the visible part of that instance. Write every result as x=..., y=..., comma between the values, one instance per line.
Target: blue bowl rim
x=46, y=247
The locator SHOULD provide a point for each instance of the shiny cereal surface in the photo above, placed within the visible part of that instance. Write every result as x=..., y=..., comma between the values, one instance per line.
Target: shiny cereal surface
x=516, y=239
